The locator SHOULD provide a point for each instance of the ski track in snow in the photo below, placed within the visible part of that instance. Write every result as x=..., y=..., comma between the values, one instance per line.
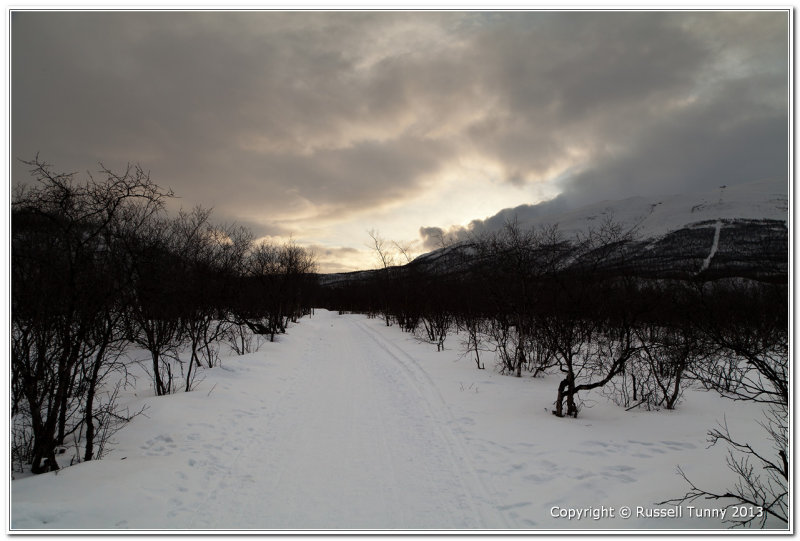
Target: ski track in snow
x=714, y=247
x=364, y=452
x=439, y=411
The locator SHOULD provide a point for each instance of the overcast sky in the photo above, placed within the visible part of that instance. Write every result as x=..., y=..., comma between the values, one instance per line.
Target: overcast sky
x=325, y=125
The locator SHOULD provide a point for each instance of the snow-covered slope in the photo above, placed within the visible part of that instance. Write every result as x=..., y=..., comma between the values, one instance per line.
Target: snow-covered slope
x=655, y=216
x=733, y=231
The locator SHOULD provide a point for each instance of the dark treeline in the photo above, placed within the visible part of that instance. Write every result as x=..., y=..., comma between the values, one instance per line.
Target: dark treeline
x=547, y=304
x=99, y=266
x=540, y=303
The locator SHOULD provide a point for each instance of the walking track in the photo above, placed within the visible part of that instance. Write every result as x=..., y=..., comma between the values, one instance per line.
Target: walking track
x=340, y=429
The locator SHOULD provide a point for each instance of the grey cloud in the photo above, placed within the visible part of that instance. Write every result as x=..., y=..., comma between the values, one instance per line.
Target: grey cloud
x=568, y=79
x=328, y=251
x=315, y=113
x=184, y=93
x=259, y=229
x=658, y=104
x=432, y=235
x=575, y=85
x=731, y=139
x=364, y=175
x=336, y=259
x=573, y=63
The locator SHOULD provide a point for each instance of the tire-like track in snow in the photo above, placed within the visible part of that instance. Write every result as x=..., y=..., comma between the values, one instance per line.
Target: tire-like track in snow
x=481, y=495
x=358, y=438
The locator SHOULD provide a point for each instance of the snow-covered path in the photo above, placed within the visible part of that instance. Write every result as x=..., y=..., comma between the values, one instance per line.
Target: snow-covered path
x=352, y=436
x=346, y=424
x=351, y=442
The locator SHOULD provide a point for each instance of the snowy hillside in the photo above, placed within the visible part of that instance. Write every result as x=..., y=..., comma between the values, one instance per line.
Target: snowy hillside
x=734, y=231
x=348, y=424
x=656, y=216
x=745, y=227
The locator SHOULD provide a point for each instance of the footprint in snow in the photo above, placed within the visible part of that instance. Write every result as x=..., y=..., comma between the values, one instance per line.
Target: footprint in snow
x=513, y=506
x=621, y=468
x=620, y=477
x=679, y=445
x=598, y=443
x=647, y=443
x=539, y=478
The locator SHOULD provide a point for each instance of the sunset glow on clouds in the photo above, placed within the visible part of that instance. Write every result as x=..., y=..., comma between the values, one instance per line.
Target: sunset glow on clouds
x=323, y=125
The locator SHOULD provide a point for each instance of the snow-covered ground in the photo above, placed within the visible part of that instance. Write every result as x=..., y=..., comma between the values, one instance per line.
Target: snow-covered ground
x=347, y=424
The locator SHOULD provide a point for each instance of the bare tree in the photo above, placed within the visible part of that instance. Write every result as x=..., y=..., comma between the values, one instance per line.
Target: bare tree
x=275, y=288
x=157, y=307
x=62, y=233
x=380, y=245
x=404, y=249
x=587, y=318
x=387, y=260
x=747, y=321
x=474, y=327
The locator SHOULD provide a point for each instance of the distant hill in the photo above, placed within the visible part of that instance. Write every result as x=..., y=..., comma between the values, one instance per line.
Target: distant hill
x=737, y=231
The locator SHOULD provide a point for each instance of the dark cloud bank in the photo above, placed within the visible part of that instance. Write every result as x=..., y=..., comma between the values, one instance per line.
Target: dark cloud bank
x=327, y=114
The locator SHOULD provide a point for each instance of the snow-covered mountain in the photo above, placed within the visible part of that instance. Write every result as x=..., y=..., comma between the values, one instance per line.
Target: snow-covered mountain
x=733, y=231
x=656, y=216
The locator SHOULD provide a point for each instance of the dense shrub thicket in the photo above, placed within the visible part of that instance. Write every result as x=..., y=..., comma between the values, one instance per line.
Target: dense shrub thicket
x=98, y=265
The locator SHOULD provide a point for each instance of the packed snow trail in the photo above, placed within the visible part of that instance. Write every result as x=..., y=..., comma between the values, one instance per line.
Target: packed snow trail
x=358, y=448
x=352, y=437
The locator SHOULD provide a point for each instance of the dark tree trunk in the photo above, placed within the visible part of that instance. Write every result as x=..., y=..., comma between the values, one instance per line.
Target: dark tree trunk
x=160, y=387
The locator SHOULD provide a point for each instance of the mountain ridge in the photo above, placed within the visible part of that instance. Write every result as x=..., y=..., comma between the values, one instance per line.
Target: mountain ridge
x=734, y=231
